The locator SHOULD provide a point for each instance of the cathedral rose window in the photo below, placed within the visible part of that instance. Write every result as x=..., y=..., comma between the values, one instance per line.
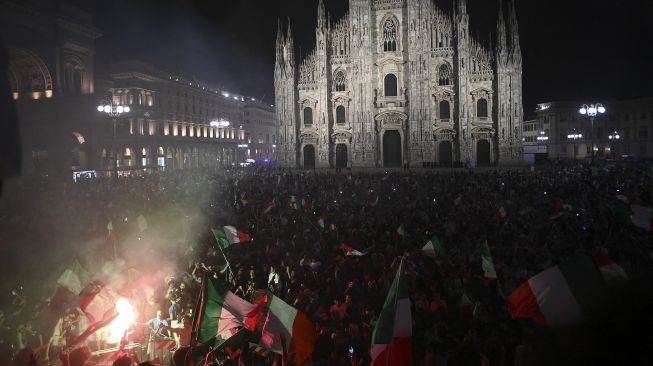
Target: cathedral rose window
x=389, y=36
x=339, y=81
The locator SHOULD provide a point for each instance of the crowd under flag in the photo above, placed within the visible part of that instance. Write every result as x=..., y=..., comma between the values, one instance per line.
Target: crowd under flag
x=75, y=278
x=642, y=217
x=229, y=235
x=486, y=262
x=351, y=251
x=393, y=334
x=280, y=318
x=220, y=313
x=434, y=248
x=563, y=295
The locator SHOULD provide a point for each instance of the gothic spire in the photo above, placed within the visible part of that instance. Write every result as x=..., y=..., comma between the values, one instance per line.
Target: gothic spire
x=502, y=45
x=290, y=46
x=321, y=16
x=514, y=33
x=279, y=44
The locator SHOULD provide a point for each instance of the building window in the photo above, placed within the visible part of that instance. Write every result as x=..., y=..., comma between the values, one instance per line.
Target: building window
x=481, y=108
x=389, y=36
x=308, y=116
x=444, y=75
x=340, y=115
x=642, y=132
x=339, y=81
x=390, y=85
x=445, y=110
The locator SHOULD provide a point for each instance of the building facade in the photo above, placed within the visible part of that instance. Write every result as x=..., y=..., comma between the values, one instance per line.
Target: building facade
x=173, y=123
x=625, y=129
x=52, y=57
x=260, y=130
x=400, y=82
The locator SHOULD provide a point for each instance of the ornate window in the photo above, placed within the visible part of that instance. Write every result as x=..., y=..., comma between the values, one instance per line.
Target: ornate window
x=308, y=116
x=340, y=115
x=339, y=81
x=390, y=85
x=389, y=36
x=481, y=108
x=445, y=110
x=444, y=75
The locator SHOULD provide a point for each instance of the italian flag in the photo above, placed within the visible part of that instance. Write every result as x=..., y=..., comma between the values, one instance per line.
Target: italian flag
x=393, y=334
x=229, y=235
x=75, y=278
x=245, y=199
x=486, y=262
x=280, y=318
x=322, y=220
x=351, y=251
x=642, y=217
x=564, y=294
x=220, y=313
x=434, y=248
x=294, y=203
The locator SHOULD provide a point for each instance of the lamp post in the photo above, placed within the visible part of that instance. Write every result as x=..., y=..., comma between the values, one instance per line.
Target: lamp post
x=592, y=111
x=114, y=111
x=575, y=137
x=614, y=137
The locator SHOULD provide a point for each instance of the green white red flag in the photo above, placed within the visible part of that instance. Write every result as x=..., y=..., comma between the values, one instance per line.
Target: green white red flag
x=392, y=339
x=434, y=248
x=229, y=235
x=351, y=251
x=563, y=295
x=280, y=318
x=486, y=262
x=322, y=220
x=75, y=278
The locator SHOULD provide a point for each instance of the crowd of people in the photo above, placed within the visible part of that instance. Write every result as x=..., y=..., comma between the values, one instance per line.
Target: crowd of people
x=531, y=220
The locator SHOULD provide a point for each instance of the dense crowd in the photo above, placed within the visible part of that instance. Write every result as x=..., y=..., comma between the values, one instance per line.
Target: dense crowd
x=459, y=317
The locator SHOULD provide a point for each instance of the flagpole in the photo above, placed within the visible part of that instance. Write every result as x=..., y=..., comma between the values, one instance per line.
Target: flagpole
x=401, y=269
x=226, y=260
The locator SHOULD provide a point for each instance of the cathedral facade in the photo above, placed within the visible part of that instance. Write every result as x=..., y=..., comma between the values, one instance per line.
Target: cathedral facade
x=398, y=82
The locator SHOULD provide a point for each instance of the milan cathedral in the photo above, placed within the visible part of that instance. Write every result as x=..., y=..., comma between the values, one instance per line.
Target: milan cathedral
x=400, y=82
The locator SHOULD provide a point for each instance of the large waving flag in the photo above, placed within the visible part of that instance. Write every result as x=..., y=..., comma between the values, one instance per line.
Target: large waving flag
x=228, y=235
x=393, y=334
x=75, y=278
x=564, y=294
x=434, y=248
x=298, y=330
x=642, y=217
x=220, y=313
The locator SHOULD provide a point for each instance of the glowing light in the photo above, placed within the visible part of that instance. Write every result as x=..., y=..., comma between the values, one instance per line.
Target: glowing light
x=601, y=109
x=36, y=95
x=124, y=321
x=100, y=108
x=126, y=109
x=120, y=109
x=48, y=94
x=107, y=108
x=16, y=95
x=583, y=111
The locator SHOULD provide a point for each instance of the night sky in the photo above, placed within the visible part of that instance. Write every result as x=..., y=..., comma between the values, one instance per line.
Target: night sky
x=589, y=50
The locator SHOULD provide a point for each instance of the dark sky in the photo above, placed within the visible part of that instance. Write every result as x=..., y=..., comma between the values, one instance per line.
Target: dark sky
x=573, y=49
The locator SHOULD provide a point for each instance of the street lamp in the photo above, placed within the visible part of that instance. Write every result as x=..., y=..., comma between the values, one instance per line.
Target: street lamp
x=221, y=123
x=575, y=137
x=592, y=111
x=114, y=111
x=614, y=136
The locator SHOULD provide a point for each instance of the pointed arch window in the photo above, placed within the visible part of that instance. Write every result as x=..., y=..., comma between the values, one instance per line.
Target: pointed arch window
x=340, y=115
x=444, y=75
x=389, y=36
x=308, y=116
x=339, y=81
x=481, y=108
x=390, y=85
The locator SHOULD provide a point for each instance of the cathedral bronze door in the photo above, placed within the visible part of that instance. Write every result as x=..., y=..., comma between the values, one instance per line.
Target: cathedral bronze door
x=341, y=156
x=446, y=154
x=391, y=149
x=309, y=156
x=483, y=153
